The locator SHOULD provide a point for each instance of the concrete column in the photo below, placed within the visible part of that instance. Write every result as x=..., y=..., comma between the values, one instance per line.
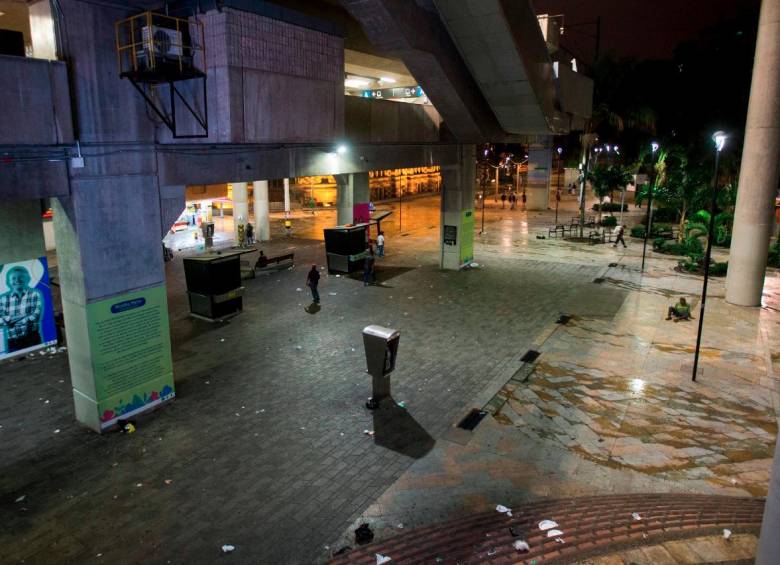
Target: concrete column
x=262, y=223
x=114, y=297
x=457, y=209
x=240, y=207
x=352, y=198
x=286, y=198
x=23, y=253
x=539, y=165
x=769, y=542
x=758, y=176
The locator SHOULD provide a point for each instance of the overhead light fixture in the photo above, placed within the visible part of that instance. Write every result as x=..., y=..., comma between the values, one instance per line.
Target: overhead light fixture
x=388, y=80
x=2, y=13
x=356, y=82
x=341, y=149
x=719, y=138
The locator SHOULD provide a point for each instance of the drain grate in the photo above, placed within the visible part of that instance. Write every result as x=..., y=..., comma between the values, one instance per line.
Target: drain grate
x=598, y=280
x=530, y=356
x=472, y=420
x=563, y=319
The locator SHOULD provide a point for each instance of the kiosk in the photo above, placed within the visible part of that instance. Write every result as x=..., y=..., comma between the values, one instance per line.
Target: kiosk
x=214, y=285
x=346, y=247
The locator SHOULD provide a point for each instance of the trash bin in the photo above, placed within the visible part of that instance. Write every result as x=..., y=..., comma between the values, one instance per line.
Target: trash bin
x=381, y=345
x=208, y=233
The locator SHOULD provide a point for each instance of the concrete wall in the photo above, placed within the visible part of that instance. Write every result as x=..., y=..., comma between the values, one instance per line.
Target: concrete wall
x=270, y=80
x=35, y=101
x=371, y=121
x=21, y=231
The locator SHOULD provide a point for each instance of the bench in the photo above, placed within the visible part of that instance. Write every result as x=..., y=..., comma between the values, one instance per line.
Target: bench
x=553, y=231
x=276, y=264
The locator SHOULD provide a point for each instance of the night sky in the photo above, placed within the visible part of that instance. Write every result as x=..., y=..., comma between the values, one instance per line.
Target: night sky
x=641, y=29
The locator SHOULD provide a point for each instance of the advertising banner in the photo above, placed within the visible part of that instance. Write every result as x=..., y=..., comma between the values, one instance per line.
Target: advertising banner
x=361, y=213
x=467, y=236
x=26, y=313
x=131, y=353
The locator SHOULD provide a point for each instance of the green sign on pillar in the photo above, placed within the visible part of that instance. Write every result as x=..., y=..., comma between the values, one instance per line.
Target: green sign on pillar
x=467, y=236
x=131, y=353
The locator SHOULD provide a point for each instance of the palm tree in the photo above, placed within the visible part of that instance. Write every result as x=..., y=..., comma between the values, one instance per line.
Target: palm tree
x=605, y=179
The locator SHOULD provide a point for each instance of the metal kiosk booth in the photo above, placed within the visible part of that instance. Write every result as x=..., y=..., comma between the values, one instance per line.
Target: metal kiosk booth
x=346, y=247
x=214, y=285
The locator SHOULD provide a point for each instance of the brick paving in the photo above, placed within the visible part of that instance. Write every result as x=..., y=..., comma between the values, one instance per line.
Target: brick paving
x=264, y=446
x=589, y=526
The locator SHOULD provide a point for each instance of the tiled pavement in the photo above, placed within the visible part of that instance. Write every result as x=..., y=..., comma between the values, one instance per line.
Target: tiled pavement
x=264, y=446
x=581, y=528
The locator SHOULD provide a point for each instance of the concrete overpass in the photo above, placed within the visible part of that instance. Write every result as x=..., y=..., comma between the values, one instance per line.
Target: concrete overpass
x=79, y=134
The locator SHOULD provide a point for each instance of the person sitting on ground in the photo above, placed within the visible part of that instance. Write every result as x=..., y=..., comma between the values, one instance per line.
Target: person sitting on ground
x=262, y=261
x=680, y=311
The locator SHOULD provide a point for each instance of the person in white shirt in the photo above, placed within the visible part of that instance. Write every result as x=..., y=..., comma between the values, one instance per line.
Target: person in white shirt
x=380, y=244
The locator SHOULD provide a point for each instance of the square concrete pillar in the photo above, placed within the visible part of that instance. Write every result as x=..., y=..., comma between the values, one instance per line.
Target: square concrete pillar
x=352, y=198
x=114, y=297
x=539, y=169
x=457, y=210
x=262, y=220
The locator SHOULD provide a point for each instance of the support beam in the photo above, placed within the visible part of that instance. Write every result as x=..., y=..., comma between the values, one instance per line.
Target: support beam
x=262, y=221
x=758, y=176
x=114, y=297
x=457, y=210
x=352, y=198
x=240, y=207
x=539, y=165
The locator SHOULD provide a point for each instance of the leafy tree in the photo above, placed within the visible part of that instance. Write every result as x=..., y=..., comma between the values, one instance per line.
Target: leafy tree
x=606, y=178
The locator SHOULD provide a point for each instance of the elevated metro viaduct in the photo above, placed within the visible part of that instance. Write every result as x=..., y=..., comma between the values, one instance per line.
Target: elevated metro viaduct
x=82, y=136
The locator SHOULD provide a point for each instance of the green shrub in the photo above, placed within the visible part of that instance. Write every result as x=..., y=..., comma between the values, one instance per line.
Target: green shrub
x=693, y=229
x=700, y=217
x=638, y=231
x=722, y=236
x=693, y=246
x=774, y=256
x=658, y=244
x=609, y=221
x=719, y=269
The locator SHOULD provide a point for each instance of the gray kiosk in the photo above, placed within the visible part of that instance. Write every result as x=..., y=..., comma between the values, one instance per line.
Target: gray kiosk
x=381, y=346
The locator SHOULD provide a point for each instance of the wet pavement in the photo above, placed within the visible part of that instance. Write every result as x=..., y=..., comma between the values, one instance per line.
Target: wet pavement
x=264, y=446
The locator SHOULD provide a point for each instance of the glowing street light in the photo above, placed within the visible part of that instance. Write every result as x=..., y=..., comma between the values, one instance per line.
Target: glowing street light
x=341, y=149
x=719, y=138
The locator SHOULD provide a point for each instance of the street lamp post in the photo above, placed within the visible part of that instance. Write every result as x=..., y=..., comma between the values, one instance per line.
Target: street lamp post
x=720, y=141
x=558, y=189
x=648, y=218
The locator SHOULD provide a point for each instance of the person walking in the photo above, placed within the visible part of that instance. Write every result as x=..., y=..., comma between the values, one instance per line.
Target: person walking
x=250, y=234
x=619, y=232
x=380, y=244
x=524, y=199
x=503, y=199
x=312, y=280
x=368, y=268
x=512, y=200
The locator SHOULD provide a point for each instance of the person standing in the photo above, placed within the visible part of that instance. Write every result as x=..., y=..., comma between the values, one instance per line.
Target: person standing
x=619, y=232
x=250, y=234
x=312, y=280
x=368, y=268
x=503, y=199
x=512, y=200
x=524, y=200
x=380, y=244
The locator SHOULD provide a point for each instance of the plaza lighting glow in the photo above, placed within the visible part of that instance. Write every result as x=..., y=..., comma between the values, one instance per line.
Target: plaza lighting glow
x=560, y=150
x=356, y=82
x=388, y=80
x=341, y=149
x=719, y=138
x=637, y=386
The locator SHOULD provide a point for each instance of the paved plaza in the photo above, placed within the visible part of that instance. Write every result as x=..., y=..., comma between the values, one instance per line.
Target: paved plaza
x=264, y=447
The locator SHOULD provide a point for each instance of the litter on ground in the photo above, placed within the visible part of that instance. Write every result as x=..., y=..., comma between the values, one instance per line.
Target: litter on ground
x=547, y=525
x=554, y=533
x=636, y=516
x=504, y=510
x=227, y=548
x=521, y=546
x=726, y=533
x=380, y=559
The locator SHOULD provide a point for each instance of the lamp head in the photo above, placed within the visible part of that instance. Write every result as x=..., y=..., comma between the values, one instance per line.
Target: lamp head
x=654, y=146
x=719, y=137
x=341, y=149
x=560, y=150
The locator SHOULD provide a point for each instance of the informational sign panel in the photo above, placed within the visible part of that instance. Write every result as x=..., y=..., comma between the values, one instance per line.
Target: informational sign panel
x=131, y=353
x=450, y=235
x=467, y=237
x=398, y=92
x=26, y=313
